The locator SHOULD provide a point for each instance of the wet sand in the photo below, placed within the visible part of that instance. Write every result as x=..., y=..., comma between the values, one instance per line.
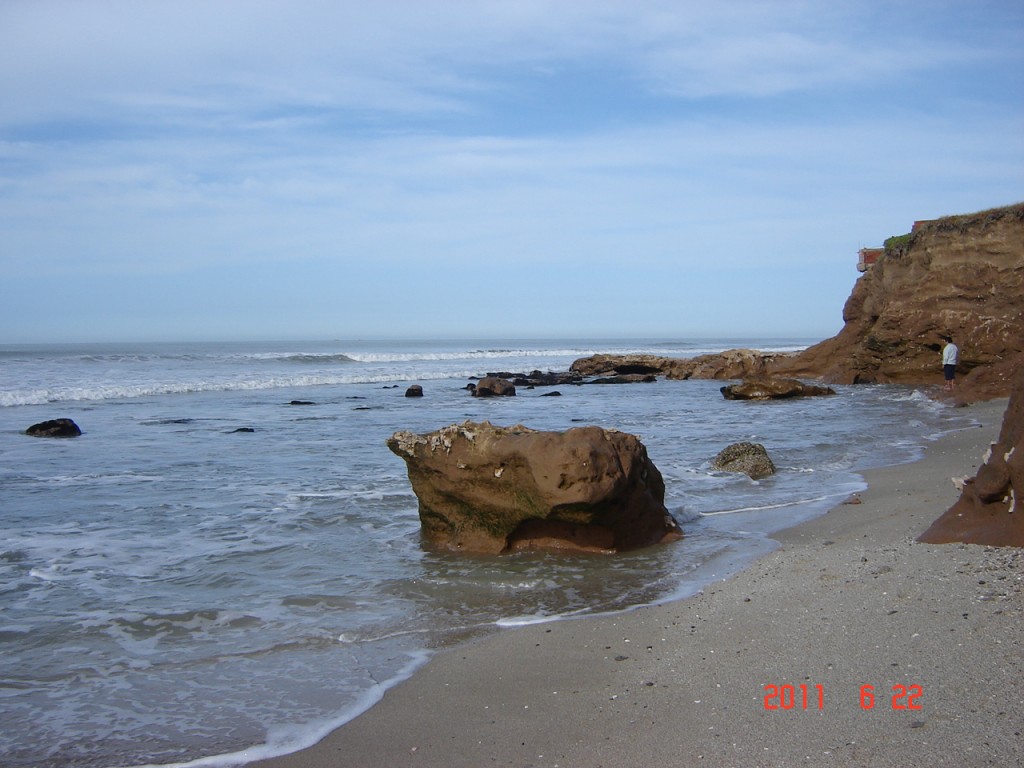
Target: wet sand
x=849, y=600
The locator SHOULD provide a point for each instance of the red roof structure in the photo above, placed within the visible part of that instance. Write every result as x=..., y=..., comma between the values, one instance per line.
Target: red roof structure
x=867, y=257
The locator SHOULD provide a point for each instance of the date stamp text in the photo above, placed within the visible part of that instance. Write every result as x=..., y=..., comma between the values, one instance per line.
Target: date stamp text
x=812, y=697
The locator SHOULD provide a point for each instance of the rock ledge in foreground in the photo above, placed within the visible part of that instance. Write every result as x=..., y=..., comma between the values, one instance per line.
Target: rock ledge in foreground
x=989, y=508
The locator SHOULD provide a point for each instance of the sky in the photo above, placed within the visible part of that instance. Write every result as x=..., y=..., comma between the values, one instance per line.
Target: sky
x=176, y=170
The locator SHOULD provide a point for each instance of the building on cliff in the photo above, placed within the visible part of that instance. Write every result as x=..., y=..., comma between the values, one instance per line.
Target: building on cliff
x=867, y=257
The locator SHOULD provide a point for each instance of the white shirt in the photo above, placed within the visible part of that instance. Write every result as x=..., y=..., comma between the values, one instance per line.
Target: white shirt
x=949, y=354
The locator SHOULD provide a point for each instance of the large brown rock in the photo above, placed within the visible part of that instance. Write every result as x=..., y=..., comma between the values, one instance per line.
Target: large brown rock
x=730, y=364
x=989, y=510
x=494, y=386
x=489, y=489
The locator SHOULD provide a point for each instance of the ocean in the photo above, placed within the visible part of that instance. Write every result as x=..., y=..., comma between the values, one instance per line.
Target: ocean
x=226, y=564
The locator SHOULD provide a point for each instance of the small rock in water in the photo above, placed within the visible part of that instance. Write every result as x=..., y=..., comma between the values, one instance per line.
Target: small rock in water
x=493, y=386
x=54, y=428
x=749, y=458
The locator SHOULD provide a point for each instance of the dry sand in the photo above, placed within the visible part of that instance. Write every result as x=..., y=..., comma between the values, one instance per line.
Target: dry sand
x=848, y=600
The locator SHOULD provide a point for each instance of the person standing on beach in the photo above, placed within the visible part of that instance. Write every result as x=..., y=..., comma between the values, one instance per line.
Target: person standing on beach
x=950, y=355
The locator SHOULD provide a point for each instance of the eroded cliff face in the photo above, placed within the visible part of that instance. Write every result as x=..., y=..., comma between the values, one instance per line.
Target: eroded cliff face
x=959, y=275
x=989, y=510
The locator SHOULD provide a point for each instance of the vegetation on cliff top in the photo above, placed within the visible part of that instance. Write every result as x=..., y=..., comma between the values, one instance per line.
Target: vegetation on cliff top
x=897, y=245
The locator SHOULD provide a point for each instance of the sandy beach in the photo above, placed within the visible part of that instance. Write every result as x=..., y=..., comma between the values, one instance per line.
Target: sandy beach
x=848, y=600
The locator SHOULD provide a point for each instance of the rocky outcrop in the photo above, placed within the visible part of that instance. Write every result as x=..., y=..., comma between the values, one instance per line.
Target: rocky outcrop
x=543, y=378
x=627, y=378
x=773, y=389
x=730, y=364
x=604, y=365
x=749, y=458
x=959, y=275
x=54, y=428
x=414, y=390
x=489, y=489
x=989, y=510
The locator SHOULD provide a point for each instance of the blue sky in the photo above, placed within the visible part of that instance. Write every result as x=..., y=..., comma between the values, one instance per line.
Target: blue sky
x=181, y=169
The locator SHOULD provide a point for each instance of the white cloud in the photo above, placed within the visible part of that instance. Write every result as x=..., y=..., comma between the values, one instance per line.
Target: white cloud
x=155, y=138
x=167, y=58
x=676, y=192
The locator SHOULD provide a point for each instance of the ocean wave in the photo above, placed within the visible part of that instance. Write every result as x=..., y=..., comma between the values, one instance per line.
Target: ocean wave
x=288, y=738
x=474, y=354
x=779, y=505
x=313, y=358
x=103, y=392
x=683, y=515
x=571, y=353
x=185, y=623
x=526, y=620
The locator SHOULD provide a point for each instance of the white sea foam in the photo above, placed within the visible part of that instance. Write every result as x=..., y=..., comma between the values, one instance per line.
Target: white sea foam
x=530, y=619
x=525, y=621
x=765, y=507
x=283, y=739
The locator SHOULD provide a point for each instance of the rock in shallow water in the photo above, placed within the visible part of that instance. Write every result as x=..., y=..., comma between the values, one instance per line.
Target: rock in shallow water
x=54, y=428
x=489, y=489
x=749, y=458
x=493, y=386
x=773, y=389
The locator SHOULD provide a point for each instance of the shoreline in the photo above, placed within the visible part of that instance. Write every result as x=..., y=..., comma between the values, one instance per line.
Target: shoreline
x=847, y=600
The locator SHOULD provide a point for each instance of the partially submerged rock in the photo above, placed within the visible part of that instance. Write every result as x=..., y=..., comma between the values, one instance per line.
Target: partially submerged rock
x=538, y=378
x=54, y=428
x=621, y=365
x=749, y=458
x=773, y=389
x=730, y=364
x=489, y=489
x=627, y=378
x=494, y=386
